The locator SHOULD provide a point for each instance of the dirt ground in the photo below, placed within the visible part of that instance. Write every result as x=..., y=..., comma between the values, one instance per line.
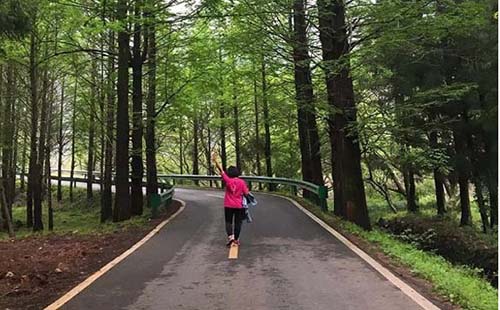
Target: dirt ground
x=35, y=271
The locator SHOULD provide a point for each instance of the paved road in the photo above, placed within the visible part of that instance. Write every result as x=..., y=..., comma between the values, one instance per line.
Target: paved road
x=286, y=261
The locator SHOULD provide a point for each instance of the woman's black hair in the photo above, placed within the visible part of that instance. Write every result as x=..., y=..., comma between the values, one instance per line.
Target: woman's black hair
x=233, y=172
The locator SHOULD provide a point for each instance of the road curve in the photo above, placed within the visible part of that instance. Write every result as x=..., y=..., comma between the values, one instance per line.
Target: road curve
x=286, y=261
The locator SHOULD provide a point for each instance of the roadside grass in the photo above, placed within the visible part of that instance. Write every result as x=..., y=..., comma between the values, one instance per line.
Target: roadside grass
x=461, y=285
x=80, y=217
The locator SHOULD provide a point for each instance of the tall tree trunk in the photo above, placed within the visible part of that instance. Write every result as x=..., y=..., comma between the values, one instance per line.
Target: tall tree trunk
x=32, y=174
x=267, y=131
x=308, y=132
x=91, y=145
x=60, y=146
x=223, y=154
x=257, y=133
x=348, y=181
x=38, y=188
x=150, y=138
x=463, y=177
x=73, y=140
x=22, y=184
x=47, y=167
x=196, y=129
x=122, y=197
x=7, y=144
x=107, y=198
x=409, y=178
x=137, y=132
x=181, y=149
x=438, y=178
x=5, y=212
x=237, y=143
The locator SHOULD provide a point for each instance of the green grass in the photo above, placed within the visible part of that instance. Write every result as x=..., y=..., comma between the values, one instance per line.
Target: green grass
x=461, y=285
x=79, y=217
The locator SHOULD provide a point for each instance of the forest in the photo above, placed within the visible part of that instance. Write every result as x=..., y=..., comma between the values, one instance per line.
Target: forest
x=392, y=105
x=395, y=95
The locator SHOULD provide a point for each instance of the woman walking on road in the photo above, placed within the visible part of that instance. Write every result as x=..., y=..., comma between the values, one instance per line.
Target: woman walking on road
x=233, y=200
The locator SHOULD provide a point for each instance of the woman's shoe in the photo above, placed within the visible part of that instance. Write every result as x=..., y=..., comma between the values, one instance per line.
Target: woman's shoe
x=230, y=240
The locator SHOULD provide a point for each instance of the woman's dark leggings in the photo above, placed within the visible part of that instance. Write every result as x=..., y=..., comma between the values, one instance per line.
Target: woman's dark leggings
x=238, y=214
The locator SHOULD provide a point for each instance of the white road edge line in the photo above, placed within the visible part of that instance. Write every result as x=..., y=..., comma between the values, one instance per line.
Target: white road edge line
x=405, y=288
x=80, y=287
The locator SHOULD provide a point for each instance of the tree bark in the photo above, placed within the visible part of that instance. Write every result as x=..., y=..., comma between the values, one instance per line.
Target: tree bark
x=257, y=133
x=267, y=131
x=7, y=144
x=150, y=138
x=237, y=143
x=196, y=129
x=32, y=174
x=463, y=177
x=107, y=197
x=73, y=138
x=91, y=145
x=122, y=197
x=348, y=181
x=38, y=186
x=306, y=116
x=438, y=178
x=60, y=146
x=137, y=171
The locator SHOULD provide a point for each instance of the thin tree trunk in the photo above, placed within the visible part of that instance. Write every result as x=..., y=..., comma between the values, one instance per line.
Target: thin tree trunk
x=60, y=147
x=348, y=181
x=257, y=133
x=91, y=145
x=107, y=198
x=32, y=175
x=463, y=178
x=38, y=188
x=411, y=198
x=196, y=169
x=237, y=143
x=47, y=168
x=267, y=131
x=223, y=154
x=22, y=184
x=137, y=171
x=73, y=138
x=150, y=138
x=122, y=197
x=438, y=178
x=8, y=137
x=5, y=212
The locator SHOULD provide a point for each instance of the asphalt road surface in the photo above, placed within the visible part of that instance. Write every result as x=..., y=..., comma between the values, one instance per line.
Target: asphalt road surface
x=285, y=261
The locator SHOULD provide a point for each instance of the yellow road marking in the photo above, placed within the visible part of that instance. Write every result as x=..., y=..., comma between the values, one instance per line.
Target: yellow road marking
x=233, y=252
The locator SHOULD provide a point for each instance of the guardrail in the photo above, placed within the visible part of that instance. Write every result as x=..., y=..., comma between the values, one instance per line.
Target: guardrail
x=319, y=192
x=163, y=198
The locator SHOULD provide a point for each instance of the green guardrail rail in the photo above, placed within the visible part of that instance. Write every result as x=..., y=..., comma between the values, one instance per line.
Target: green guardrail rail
x=319, y=193
x=164, y=198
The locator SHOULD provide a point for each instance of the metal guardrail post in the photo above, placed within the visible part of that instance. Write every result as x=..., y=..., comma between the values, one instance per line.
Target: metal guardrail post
x=293, y=190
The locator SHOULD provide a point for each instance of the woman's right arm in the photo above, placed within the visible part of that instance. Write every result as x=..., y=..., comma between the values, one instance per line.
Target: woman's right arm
x=216, y=162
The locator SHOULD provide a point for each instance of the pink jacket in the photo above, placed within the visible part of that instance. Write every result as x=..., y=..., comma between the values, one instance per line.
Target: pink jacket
x=235, y=189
